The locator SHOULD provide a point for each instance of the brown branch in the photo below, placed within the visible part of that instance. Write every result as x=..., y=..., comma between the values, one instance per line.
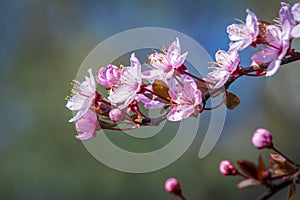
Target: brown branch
x=271, y=191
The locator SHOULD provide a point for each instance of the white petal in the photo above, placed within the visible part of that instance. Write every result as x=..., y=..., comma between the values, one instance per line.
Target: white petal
x=296, y=31
x=120, y=94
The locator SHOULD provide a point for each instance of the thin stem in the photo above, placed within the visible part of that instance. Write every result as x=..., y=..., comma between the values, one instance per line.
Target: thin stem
x=194, y=77
x=217, y=106
x=182, y=197
x=289, y=160
x=242, y=175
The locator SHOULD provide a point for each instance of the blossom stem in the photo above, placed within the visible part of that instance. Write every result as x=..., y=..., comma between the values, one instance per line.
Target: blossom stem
x=158, y=95
x=271, y=191
x=122, y=129
x=242, y=175
x=182, y=197
x=217, y=106
x=194, y=77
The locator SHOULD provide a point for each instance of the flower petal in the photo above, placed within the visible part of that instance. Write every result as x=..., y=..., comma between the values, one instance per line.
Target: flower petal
x=179, y=60
x=86, y=135
x=251, y=22
x=296, y=31
x=180, y=112
x=85, y=107
x=296, y=11
x=273, y=67
x=265, y=56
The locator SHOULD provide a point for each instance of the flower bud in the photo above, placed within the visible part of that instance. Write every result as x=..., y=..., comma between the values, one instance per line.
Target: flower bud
x=227, y=169
x=172, y=186
x=115, y=115
x=262, y=138
x=108, y=76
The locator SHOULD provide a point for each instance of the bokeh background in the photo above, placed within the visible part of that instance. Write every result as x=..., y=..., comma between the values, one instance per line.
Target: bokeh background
x=42, y=46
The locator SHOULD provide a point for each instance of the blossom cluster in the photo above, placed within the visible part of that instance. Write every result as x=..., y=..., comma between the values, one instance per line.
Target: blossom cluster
x=167, y=84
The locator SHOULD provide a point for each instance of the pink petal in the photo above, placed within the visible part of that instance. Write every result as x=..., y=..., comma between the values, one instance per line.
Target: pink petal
x=274, y=36
x=265, y=56
x=180, y=112
x=273, y=67
x=86, y=135
x=180, y=60
x=251, y=22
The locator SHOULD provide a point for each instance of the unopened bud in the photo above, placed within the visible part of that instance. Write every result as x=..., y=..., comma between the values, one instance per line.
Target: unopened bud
x=116, y=115
x=262, y=138
x=227, y=169
x=172, y=186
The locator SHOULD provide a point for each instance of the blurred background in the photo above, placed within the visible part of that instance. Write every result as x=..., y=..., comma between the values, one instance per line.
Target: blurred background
x=42, y=46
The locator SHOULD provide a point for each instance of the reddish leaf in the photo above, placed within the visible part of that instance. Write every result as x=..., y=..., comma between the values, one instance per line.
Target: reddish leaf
x=279, y=165
x=161, y=88
x=292, y=192
x=106, y=125
x=204, y=85
x=262, y=168
x=232, y=101
x=248, y=168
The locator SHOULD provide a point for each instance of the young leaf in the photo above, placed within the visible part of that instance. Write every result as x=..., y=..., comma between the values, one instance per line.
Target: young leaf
x=161, y=88
x=292, y=192
x=232, y=101
x=248, y=168
x=280, y=165
x=248, y=182
x=262, y=171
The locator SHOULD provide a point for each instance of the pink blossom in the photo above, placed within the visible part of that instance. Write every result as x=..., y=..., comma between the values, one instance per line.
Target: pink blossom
x=242, y=35
x=278, y=45
x=88, y=125
x=164, y=64
x=186, y=98
x=227, y=169
x=128, y=87
x=227, y=63
x=109, y=76
x=172, y=186
x=291, y=15
x=82, y=96
x=262, y=138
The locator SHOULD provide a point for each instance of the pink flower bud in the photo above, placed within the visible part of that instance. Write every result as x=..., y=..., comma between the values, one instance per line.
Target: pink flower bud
x=116, y=115
x=227, y=169
x=262, y=138
x=172, y=186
